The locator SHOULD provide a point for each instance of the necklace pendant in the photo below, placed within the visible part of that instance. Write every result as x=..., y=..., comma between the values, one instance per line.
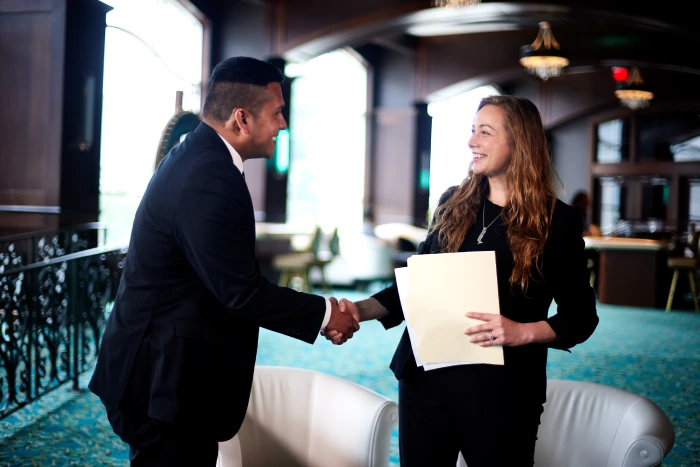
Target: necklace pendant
x=481, y=235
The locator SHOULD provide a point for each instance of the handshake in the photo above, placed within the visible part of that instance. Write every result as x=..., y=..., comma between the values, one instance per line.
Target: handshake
x=343, y=323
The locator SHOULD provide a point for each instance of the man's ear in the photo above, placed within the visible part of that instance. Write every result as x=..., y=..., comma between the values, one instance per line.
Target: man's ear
x=238, y=121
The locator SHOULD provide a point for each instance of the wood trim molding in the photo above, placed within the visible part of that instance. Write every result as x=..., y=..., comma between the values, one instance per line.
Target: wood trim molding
x=26, y=6
x=646, y=168
x=31, y=209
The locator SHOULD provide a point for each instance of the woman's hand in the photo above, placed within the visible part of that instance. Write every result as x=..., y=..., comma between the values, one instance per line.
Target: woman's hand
x=498, y=330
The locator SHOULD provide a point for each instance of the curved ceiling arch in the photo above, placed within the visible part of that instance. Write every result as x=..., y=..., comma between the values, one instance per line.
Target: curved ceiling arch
x=487, y=17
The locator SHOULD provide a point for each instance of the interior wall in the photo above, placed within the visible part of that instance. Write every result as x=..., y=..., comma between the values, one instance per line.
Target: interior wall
x=571, y=153
x=394, y=126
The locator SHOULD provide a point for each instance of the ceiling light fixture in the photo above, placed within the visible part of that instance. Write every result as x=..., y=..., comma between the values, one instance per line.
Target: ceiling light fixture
x=541, y=58
x=632, y=93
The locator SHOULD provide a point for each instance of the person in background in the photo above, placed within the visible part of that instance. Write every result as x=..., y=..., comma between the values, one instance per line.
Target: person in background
x=581, y=201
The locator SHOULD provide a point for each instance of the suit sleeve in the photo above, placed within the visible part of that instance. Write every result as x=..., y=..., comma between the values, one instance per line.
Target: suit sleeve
x=212, y=227
x=566, y=272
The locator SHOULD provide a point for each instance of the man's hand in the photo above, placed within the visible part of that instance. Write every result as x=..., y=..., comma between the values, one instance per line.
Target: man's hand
x=342, y=324
x=362, y=310
x=346, y=306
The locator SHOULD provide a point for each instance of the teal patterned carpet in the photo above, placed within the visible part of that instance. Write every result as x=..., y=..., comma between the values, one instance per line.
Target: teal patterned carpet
x=645, y=351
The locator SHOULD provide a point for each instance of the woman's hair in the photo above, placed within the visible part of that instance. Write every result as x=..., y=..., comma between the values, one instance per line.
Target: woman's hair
x=528, y=214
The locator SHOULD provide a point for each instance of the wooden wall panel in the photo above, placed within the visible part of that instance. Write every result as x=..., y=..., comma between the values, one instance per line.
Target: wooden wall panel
x=17, y=222
x=25, y=6
x=394, y=165
x=31, y=102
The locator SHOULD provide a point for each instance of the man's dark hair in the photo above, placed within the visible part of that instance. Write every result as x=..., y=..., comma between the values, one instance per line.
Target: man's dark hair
x=239, y=82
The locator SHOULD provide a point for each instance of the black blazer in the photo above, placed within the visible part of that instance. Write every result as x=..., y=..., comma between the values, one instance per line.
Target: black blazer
x=565, y=280
x=192, y=299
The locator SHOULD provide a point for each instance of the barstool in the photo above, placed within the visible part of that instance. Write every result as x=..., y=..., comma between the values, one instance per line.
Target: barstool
x=687, y=263
x=298, y=264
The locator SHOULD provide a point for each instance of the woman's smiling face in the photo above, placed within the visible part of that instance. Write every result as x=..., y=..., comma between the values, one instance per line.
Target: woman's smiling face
x=490, y=143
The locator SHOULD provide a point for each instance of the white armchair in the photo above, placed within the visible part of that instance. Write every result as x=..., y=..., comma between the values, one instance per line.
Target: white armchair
x=591, y=425
x=305, y=418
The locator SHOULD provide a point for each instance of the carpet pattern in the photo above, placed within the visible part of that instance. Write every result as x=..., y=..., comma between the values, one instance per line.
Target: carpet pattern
x=644, y=351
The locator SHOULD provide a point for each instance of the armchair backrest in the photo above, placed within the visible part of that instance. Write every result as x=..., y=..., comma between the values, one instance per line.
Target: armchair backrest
x=305, y=418
x=591, y=425
x=586, y=424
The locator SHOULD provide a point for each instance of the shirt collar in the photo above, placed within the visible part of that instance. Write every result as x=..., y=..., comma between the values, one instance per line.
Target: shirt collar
x=237, y=161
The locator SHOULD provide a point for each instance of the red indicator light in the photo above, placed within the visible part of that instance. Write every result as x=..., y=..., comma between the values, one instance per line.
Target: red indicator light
x=619, y=74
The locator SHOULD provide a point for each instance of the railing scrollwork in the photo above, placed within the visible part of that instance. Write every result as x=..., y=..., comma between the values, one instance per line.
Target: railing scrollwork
x=51, y=319
x=35, y=247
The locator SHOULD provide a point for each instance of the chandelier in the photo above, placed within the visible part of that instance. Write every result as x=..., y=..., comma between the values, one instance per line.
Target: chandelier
x=632, y=92
x=455, y=3
x=539, y=59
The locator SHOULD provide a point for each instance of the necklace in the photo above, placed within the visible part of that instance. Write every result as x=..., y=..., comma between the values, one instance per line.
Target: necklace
x=483, y=218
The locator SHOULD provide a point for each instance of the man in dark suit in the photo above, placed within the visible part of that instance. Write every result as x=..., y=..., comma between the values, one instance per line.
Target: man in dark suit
x=176, y=361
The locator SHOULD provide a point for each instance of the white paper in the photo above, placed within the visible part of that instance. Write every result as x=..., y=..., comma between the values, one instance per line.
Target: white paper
x=404, y=289
x=443, y=287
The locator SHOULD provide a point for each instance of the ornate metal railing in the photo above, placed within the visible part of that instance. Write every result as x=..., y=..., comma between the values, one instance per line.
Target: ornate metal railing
x=52, y=315
x=34, y=247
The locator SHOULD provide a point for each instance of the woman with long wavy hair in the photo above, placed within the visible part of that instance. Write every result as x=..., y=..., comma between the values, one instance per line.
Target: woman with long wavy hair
x=506, y=204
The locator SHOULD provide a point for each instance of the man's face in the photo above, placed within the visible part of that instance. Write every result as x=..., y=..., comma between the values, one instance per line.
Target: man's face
x=268, y=122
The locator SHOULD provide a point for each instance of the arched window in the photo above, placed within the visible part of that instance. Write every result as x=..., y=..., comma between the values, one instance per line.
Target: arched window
x=449, y=153
x=328, y=127
x=153, y=49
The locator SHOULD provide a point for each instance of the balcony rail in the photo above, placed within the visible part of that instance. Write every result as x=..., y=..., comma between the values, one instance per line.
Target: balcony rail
x=33, y=247
x=52, y=316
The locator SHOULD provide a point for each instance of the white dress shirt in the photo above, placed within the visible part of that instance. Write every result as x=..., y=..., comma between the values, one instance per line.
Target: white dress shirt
x=238, y=162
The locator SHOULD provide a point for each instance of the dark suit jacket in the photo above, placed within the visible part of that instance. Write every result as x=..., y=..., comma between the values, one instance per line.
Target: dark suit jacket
x=565, y=280
x=192, y=299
